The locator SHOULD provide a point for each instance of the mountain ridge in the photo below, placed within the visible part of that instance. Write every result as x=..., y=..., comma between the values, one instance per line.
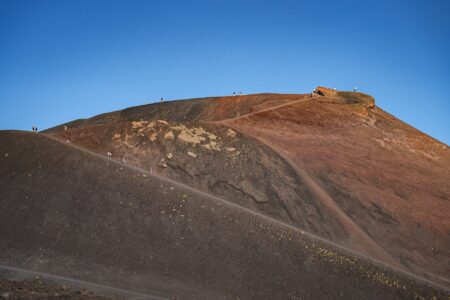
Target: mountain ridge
x=332, y=165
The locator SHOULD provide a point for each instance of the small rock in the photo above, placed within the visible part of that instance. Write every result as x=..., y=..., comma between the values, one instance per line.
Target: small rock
x=163, y=122
x=170, y=156
x=162, y=163
x=231, y=133
x=153, y=137
x=6, y=295
x=6, y=154
x=65, y=287
x=231, y=149
x=169, y=136
x=192, y=154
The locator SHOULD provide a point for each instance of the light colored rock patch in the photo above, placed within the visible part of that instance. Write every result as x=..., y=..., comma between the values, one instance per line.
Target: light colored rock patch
x=191, y=138
x=211, y=136
x=197, y=135
x=139, y=124
x=152, y=137
x=169, y=155
x=163, y=122
x=211, y=146
x=169, y=135
x=231, y=133
x=190, y=135
x=230, y=149
x=192, y=154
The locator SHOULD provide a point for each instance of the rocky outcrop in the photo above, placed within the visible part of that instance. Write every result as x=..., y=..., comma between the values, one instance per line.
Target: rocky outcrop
x=323, y=91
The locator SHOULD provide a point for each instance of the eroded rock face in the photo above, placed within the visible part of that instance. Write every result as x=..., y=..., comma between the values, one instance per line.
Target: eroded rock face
x=213, y=158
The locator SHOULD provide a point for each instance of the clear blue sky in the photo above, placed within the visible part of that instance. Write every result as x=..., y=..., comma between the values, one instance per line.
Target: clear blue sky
x=62, y=60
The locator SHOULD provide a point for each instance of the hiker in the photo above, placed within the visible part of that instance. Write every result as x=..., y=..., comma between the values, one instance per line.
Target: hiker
x=123, y=160
x=234, y=93
x=32, y=128
x=240, y=92
x=162, y=99
x=65, y=128
x=109, y=154
x=354, y=89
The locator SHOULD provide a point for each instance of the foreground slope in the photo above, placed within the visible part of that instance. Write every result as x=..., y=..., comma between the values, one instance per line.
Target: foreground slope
x=333, y=165
x=72, y=213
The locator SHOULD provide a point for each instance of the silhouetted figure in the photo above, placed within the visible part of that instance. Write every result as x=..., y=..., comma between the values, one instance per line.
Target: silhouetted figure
x=354, y=89
x=234, y=93
x=162, y=99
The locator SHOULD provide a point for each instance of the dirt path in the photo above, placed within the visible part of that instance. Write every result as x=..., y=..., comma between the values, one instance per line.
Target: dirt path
x=358, y=237
x=95, y=287
x=255, y=213
x=266, y=109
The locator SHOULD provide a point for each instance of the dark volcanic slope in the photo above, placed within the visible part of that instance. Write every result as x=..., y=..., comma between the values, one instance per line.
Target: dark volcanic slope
x=74, y=214
x=334, y=166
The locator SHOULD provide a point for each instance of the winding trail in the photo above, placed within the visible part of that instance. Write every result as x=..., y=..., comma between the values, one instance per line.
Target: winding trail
x=357, y=236
x=266, y=109
x=259, y=215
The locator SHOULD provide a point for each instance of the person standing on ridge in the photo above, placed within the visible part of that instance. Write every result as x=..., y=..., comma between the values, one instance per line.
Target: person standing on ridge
x=354, y=89
x=161, y=99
